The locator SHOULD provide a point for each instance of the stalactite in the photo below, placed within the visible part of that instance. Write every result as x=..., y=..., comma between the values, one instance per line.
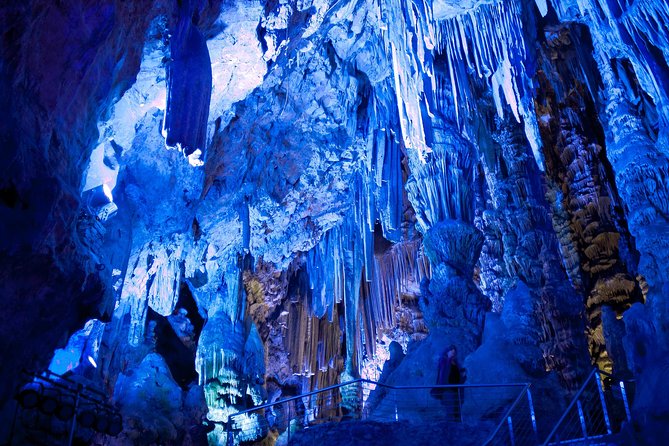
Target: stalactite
x=189, y=85
x=635, y=31
x=314, y=343
x=326, y=273
x=303, y=352
x=383, y=166
x=490, y=38
x=389, y=276
x=441, y=188
x=408, y=36
x=396, y=271
x=152, y=281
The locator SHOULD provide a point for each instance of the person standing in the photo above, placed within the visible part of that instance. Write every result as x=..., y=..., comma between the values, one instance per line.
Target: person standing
x=450, y=373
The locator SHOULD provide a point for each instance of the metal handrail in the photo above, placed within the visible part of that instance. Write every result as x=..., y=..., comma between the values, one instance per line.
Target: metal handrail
x=506, y=408
x=506, y=415
x=94, y=396
x=292, y=398
x=571, y=405
x=605, y=410
x=362, y=380
x=575, y=401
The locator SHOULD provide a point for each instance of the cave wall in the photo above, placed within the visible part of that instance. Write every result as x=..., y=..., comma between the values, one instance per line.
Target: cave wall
x=63, y=64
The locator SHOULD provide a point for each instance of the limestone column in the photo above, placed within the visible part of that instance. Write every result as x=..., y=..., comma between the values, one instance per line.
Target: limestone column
x=642, y=177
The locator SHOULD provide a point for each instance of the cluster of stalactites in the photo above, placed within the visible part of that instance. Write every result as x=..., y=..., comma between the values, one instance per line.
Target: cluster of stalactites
x=636, y=31
x=381, y=284
x=407, y=32
x=441, y=188
x=394, y=272
x=489, y=42
x=331, y=260
x=314, y=343
x=382, y=172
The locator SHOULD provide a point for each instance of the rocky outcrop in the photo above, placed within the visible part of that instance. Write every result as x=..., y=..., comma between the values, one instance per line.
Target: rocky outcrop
x=647, y=357
x=63, y=64
x=453, y=306
x=597, y=249
x=509, y=354
x=154, y=407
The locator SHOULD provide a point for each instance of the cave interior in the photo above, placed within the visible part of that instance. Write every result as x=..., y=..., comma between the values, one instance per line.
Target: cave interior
x=209, y=206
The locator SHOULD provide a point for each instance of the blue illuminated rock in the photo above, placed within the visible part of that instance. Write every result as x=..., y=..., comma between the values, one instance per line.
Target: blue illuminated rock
x=153, y=406
x=504, y=154
x=188, y=84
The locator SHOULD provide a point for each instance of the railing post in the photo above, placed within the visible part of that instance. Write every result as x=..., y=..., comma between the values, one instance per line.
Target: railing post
x=569, y=407
x=627, y=406
x=73, y=427
x=361, y=399
x=581, y=416
x=506, y=416
x=426, y=401
x=460, y=403
x=532, y=415
x=511, y=436
x=229, y=439
x=604, y=408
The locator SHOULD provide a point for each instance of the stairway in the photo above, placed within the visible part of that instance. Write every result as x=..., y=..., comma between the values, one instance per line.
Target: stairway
x=481, y=413
x=368, y=413
x=595, y=414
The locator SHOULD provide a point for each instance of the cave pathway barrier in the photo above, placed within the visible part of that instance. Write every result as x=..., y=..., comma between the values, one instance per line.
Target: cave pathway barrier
x=597, y=410
x=502, y=413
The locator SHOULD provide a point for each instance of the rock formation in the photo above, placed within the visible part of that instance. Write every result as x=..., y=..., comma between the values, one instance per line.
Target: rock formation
x=353, y=175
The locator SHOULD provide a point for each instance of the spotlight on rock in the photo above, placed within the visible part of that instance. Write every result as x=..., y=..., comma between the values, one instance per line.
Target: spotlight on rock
x=49, y=401
x=66, y=408
x=29, y=396
x=86, y=418
x=100, y=202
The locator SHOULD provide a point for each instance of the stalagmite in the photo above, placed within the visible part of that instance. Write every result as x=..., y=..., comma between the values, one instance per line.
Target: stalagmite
x=642, y=177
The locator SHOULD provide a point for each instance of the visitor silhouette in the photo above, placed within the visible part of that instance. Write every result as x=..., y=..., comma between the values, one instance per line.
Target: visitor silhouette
x=449, y=372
